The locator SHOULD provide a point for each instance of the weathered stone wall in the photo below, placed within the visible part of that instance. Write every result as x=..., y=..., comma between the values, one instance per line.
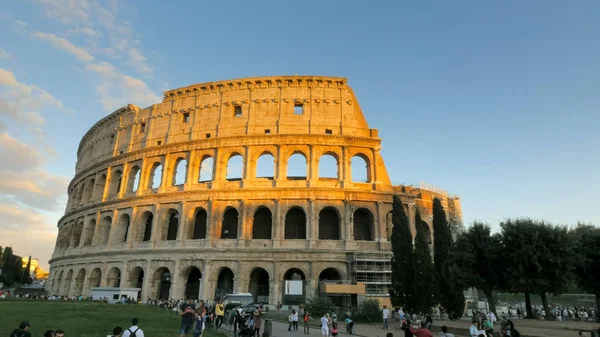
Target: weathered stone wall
x=121, y=222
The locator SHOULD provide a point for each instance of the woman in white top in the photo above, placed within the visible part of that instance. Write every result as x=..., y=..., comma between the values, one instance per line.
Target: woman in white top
x=324, y=325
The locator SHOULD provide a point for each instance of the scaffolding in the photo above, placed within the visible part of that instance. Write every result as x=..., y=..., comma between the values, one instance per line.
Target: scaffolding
x=374, y=269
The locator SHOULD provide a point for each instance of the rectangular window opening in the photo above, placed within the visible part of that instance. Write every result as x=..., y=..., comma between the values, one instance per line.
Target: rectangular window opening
x=208, y=135
x=237, y=111
x=120, y=152
x=159, y=142
x=328, y=131
x=298, y=109
x=142, y=127
x=185, y=117
x=267, y=131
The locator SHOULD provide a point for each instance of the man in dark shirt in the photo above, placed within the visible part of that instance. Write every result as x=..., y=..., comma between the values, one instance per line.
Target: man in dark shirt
x=186, y=311
x=22, y=331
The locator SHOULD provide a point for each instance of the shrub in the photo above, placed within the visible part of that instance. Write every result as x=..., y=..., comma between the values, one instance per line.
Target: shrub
x=369, y=312
x=317, y=306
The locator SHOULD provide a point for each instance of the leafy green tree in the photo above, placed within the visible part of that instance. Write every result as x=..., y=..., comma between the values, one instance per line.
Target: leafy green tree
x=317, y=306
x=423, y=271
x=369, y=312
x=540, y=259
x=449, y=294
x=402, y=254
x=587, y=265
x=476, y=260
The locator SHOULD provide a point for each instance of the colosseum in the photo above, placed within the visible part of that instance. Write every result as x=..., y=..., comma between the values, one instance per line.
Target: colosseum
x=274, y=186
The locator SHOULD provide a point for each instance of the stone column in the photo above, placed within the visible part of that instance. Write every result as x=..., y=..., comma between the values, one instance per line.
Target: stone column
x=155, y=233
x=166, y=179
x=190, y=171
x=132, y=227
x=313, y=167
x=183, y=223
x=204, y=293
x=381, y=223
x=241, y=223
x=147, y=284
x=277, y=224
x=345, y=167
x=177, y=282
x=312, y=230
x=210, y=223
x=348, y=224
x=107, y=184
x=96, y=228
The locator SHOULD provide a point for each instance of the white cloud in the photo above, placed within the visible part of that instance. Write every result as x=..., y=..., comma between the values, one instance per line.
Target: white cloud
x=67, y=12
x=4, y=55
x=20, y=24
x=64, y=44
x=116, y=89
x=84, y=31
x=137, y=59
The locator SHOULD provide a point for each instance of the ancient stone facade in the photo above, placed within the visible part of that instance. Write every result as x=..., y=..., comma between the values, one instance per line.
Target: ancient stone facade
x=154, y=203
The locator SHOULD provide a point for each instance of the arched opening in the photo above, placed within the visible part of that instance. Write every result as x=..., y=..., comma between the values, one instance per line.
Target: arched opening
x=95, y=278
x=80, y=194
x=161, y=281
x=64, y=237
x=67, y=284
x=329, y=224
x=235, y=167
x=265, y=166
x=144, y=231
x=259, y=285
x=89, y=191
x=296, y=167
x=206, y=170
x=104, y=230
x=295, y=224
x=224, y=283
x=113, y=278
x=76, y=235
x=360, y=169
x=199, y=230
x=170, y=231
x=363, y=225
x=328, y=167
x=262, y=224
x=58, y=284
x=89, y=232
x=329, y=274
x=136, y=280
x=192, y=286
x=180, y=174
x=133, y=179
x=99, y=188
x=229, y=228
x=122, y=229
x=427, y=229
x=155, y=176
x=115, y=182
x=79, y=280
x=294, y=287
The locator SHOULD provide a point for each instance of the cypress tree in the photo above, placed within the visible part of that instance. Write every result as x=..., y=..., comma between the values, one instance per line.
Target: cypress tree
x=26, y=277
x=448, y=293
x=424, y=272
x=402, y=254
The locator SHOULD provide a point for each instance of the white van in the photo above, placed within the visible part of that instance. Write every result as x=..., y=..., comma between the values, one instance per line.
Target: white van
x=240, y=298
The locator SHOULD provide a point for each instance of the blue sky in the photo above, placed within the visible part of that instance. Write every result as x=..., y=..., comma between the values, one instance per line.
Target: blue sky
x=497, y=102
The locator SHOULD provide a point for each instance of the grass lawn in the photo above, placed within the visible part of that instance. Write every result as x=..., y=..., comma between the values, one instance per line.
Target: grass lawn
x=87, y=319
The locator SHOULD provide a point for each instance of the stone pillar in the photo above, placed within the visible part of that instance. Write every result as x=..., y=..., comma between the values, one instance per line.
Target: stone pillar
x=312, y=233
x=107, y=184
x=277, y=228
x=177, y=282
x=411, y=219
x=131, y=232
x=348, y=224
x=210, y=223
x=147, y=285
x=96, y=228
x=345, y=167
x=183, y=223
x=190, y=170
x=166, y=179
x=155, y=233
x=205, y=283
x=241, y=223
x=381, y=224
x=313, y=167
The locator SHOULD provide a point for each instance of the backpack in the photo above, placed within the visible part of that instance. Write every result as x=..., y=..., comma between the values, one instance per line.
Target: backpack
x=19, y=333
x=132, y=333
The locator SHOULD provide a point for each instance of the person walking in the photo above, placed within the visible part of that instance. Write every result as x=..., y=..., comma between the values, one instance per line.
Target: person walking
x=324, y=325
x=257, y=323
x=220, y=312
x=306, y=320
x=294, y=320
x=134, y=330
x=386, y=314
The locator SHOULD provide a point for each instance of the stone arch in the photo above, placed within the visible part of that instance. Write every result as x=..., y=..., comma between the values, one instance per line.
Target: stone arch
x=67, y=284
x=364, y=225
x=95, y=277
x=206, y=169
x=79, y=280
x=225, y=282
x=329, y=224
x=89, y=232
x=193, y=283
x=169, y=232
x=80, y=193
x=259, y=285
x=115, y=182
x=428, y=232
x=265, y=166
x=235, y=167
x=99, y=188
x=361, y=168
x=161, y=281
x=76, y=234
x=262, y=223
x=229, y=227
x=294, y=285
x=136, y=279
x=155, y=176
x=133, y=179
x=122, y=228
x=58, y=283
x=113, y=277
x=200, y=225
x=64, y=237
x=180, y=172
x=89, y=191
x=295, y=224
x=104, y=230
x=144, y=227
x=329, y=166
x=297, y=166
x=330, y=274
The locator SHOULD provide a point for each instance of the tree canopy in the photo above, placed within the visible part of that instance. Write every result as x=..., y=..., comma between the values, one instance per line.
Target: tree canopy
x=402, y=254
x=424, y=282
